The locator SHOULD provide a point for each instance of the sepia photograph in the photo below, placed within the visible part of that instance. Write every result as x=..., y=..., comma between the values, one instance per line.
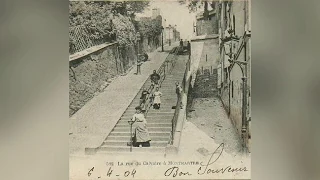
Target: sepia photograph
x=160, y=89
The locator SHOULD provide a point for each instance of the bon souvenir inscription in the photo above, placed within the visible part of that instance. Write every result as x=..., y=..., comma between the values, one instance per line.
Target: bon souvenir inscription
x=176, y=168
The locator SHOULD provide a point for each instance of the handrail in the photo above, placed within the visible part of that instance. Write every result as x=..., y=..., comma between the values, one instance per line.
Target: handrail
x=178, y=104
x=162, y=72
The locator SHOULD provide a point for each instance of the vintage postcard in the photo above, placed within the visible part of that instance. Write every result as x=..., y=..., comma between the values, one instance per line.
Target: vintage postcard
x=160, y=89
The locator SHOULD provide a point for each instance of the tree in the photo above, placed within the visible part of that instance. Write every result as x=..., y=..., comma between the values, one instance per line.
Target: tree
x=150, y=28
x=106, y=19
x=195, y=5
x=128, y=8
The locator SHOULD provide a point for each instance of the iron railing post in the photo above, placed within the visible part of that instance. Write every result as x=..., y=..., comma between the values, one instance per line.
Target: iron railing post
x=131, y=140
x=244, y=109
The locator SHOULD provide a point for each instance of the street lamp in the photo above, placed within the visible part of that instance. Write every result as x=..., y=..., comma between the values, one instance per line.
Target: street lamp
x=233, y=56
x=175, y=32
x=169, y=35
x=138, y=39
x=242, y=65
x=162, y=39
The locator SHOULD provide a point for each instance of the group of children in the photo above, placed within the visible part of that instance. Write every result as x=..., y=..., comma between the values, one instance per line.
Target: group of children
x=141, y=136
x=155, y=99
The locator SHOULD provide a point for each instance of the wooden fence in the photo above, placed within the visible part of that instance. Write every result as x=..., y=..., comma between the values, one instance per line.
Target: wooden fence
x=80, y=39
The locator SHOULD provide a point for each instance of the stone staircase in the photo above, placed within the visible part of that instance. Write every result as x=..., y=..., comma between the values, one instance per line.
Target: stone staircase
x=159, y=122
x=206, y=84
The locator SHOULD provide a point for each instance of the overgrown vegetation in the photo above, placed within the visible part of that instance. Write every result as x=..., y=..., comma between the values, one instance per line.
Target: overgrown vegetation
x=197, y=5
x=95, y=22
x=105, y=20
x=150, y=27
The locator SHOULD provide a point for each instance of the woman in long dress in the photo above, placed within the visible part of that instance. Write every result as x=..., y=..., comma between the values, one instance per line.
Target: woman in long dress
x=157, y=99
x=141, y=134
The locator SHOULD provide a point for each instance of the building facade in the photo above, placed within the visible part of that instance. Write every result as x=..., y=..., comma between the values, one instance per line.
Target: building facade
x=155, y=12
x=207, y=25
x=171, y=34
x=234, y=71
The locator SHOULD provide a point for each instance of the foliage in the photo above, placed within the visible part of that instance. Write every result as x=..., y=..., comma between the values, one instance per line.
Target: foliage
x=196, y=5
x=93, y=16
x=105, y=19
x=150, y=27
x=125, y=31
x=128, y=8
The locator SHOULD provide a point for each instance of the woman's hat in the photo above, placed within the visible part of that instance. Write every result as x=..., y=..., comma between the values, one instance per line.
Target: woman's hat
x=138, y=108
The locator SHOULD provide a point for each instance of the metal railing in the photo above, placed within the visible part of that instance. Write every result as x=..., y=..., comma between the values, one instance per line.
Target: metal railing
x=166, y=68
x=179, y=102
x=162, y=71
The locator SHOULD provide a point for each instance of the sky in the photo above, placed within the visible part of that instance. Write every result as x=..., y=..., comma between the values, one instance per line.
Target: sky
x=175, y=14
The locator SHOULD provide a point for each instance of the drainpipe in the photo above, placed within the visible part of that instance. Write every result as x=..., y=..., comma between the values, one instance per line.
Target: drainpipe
x=244, y=108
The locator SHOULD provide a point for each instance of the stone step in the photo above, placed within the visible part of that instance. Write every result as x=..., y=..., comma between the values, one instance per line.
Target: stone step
x=168, y=85
x=161, y=114
x=134, y=149
x=166, y=98
x=129, y=154
x=171, y=80
x=151, y=116
x=127, y=138
x=153, y=143
x=159, y=122
x=163, y=104
x=153, y=123
x=150, y=125
x=167, y=109
x=150, y=133
x=150, y=129
x=149, y=120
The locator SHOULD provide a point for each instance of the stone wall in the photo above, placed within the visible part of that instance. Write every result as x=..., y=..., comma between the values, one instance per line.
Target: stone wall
x=209, y=26
x=206, y=78
x=89, y=75
x=206, y=84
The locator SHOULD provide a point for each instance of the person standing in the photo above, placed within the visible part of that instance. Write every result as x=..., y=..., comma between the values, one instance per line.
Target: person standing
x=143, y=98
x=178, y=90
x=155, y=77
x=189, y=49
x=157, y=99
x=181, y=43
x=139, y=63
x=141, y=136
x=180, y=50
x=179, y=93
